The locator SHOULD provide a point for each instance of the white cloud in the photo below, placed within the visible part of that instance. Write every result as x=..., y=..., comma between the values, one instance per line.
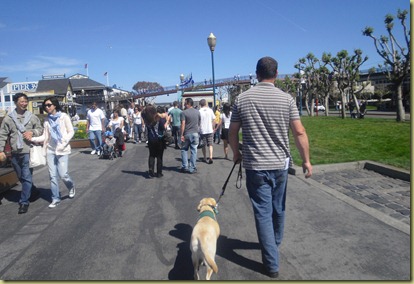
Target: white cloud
x=44, y=65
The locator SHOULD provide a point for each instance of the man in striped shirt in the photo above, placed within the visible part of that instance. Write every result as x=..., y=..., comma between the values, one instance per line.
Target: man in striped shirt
x=265, y=114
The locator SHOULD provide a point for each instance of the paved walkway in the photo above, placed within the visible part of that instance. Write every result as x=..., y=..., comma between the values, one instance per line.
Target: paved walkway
x=345, y=223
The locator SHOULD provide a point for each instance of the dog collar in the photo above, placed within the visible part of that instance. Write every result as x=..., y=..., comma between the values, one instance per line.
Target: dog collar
x=215, y=210
x=207, y=214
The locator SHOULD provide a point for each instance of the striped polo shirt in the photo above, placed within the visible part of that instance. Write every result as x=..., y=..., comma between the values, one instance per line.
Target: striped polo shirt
x=265, y=112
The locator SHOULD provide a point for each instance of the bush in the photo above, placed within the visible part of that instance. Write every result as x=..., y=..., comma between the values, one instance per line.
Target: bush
x=80, y=133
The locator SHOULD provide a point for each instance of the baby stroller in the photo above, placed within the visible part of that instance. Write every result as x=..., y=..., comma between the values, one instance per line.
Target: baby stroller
x=108, y=152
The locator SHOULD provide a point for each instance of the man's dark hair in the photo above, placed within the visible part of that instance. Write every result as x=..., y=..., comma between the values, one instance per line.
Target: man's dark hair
x=17, y=96
x=189, y=101
x=175, y=103
x=203, y=103
x=266, y=68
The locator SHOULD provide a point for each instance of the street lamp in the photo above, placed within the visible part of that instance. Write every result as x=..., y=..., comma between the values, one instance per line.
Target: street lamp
x=211, y=40
x=300, y=88
x=182, y=88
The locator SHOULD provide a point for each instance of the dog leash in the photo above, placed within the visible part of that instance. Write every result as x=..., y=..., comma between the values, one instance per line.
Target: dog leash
x=238, y=181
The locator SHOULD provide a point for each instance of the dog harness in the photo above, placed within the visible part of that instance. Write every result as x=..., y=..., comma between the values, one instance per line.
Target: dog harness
x=207, y=213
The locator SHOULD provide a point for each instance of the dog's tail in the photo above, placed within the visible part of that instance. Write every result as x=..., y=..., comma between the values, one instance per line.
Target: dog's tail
x=207, y=258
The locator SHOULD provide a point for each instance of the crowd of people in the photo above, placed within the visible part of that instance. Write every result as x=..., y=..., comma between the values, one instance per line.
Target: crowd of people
x=264, y=113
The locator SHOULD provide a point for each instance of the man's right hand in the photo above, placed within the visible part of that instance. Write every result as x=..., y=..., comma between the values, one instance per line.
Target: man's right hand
x=3, y=157
x=237, y=157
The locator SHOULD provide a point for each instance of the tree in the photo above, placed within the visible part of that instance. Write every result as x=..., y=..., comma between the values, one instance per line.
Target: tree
x=345, y=73
x=396, y=56
x=325, y=85
x=143, y=87
x=286, y=85
x=309, y=65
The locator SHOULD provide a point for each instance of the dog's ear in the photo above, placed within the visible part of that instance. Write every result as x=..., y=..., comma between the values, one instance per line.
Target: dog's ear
x=199, y=206
x=212, y=202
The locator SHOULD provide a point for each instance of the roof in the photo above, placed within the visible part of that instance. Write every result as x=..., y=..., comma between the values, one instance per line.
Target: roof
x=80, y=82
x=2, y=83
x=59, y=86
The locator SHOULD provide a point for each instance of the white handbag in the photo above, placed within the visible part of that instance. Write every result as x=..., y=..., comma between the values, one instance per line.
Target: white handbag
x=37, y=158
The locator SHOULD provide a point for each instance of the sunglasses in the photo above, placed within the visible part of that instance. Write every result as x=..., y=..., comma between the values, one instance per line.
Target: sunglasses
x=48, y=105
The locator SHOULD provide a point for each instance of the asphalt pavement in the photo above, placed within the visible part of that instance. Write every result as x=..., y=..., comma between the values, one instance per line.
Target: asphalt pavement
x=345, y=223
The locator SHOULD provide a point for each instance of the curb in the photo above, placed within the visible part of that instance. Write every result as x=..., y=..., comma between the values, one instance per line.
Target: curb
x=383, y=169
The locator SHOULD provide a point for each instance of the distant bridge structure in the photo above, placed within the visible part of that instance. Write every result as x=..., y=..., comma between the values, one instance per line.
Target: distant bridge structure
x=207, y=84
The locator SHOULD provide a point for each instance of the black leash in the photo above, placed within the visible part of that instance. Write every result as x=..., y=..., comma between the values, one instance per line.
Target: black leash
x=238, y=181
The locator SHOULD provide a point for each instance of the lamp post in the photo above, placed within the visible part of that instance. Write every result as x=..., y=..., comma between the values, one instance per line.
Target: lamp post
x=300, y=88
x=182, y=87
x=211, y=40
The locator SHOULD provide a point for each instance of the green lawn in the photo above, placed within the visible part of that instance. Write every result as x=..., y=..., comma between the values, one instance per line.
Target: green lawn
x=337, y=140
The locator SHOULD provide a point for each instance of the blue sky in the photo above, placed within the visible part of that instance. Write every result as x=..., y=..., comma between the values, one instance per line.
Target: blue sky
x=137, y=40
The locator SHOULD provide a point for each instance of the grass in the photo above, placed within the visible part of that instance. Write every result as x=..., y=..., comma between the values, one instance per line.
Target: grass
x=337, y=140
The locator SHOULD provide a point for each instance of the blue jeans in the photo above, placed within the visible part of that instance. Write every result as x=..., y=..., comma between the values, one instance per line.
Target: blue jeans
x=20, y=163
x=191, y=141
x=95, y=134
x=137, y=132
x=58, y=168
x=176, y=134
x=267, y=192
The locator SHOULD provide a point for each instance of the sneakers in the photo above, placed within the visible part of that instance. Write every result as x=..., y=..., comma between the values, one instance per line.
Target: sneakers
x=93, y=152
x=210, y=161
x=98, y=153
x=54, y=204
x=23, y=208
x=72, y=192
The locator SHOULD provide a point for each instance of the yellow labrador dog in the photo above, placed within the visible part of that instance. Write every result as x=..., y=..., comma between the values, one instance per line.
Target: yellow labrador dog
x=204, y=238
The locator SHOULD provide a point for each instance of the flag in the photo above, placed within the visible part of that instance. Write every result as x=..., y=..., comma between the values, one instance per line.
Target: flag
x=106, y=74
x=86, y=66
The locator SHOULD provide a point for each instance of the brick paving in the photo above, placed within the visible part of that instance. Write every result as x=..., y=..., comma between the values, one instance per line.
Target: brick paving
x=389, y=195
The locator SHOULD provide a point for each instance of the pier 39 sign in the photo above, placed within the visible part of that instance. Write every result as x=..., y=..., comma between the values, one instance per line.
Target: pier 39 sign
x=21, y=87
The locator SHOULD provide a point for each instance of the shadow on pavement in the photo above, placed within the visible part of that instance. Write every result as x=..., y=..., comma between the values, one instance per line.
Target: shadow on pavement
x=226, y=248
x=183, y=266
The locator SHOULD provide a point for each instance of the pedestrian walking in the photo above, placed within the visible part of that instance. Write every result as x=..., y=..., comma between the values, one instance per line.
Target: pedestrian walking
x=156, y=124
x=224, y=121
x=175, y=122
x=138, y=124
x=265, y=114
x=207, y=127
x=58, y=131
x=217, y=132
x=190, y=122
x=19, y=126
x=95, y=126
x=116, y=121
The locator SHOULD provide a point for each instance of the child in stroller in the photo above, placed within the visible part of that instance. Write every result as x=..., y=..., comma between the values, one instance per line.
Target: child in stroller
x=108, y=146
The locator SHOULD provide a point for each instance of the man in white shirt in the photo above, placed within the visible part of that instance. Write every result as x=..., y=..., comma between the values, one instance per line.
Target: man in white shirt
x=95, y=126
x=207, y=126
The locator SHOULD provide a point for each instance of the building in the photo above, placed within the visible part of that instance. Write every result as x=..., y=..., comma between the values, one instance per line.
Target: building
x=197, y=96
x=77, y=93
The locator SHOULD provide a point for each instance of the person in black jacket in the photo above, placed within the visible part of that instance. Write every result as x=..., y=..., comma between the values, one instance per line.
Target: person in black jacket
x=156, y=123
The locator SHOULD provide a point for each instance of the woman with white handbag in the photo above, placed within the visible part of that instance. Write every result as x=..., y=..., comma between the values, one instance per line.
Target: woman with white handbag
x=58, y=131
